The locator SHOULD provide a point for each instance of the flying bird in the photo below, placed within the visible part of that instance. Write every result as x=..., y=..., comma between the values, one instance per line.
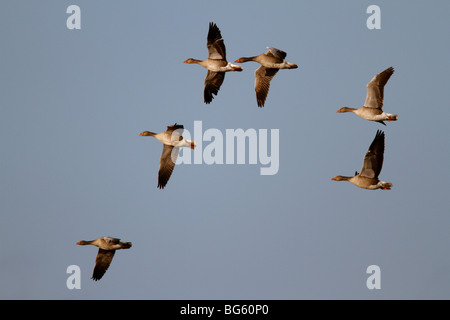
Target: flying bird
x=373, y=106
x=216, y=63
x=107, y=248
x=371, y=168
x=172, y=141
x=271, y=61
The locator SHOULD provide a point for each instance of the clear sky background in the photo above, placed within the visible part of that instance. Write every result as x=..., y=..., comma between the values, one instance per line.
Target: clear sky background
x=73, y=166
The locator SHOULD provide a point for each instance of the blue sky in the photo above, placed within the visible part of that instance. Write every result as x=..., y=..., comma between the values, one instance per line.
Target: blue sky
x=73, y=166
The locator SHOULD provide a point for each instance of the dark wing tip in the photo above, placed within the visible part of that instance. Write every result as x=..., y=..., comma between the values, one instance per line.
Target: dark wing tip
x=163, y=178
x=213, y=33
x=385, y=75
x=261, y=98
x=380, y=133
x=175, y=127
x=390, y=71
x=208, y=94
x=377, y=145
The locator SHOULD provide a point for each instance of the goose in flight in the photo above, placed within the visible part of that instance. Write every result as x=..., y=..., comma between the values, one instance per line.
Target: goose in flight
x=372, y=109
x=371, y=168
x=270, y=61
x=216, y=63
x=107, y=248
x=172, y=140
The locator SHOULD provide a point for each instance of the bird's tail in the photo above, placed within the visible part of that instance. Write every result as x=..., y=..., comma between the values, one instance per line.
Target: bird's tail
x=392, y=117
x=386, y=185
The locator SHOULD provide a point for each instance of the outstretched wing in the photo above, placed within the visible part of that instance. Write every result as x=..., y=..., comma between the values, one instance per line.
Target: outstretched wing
x=373, y=160
x=375, y=89
x=213, y=81
x=215, y=44
x=167, y=164
x=102, y=262
x=263, y=76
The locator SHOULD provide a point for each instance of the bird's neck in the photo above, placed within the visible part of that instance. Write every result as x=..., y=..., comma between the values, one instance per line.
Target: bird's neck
x=85, y=243
x=194, y=61
x=246, y=59
x=347, y=109
x=341, y=178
